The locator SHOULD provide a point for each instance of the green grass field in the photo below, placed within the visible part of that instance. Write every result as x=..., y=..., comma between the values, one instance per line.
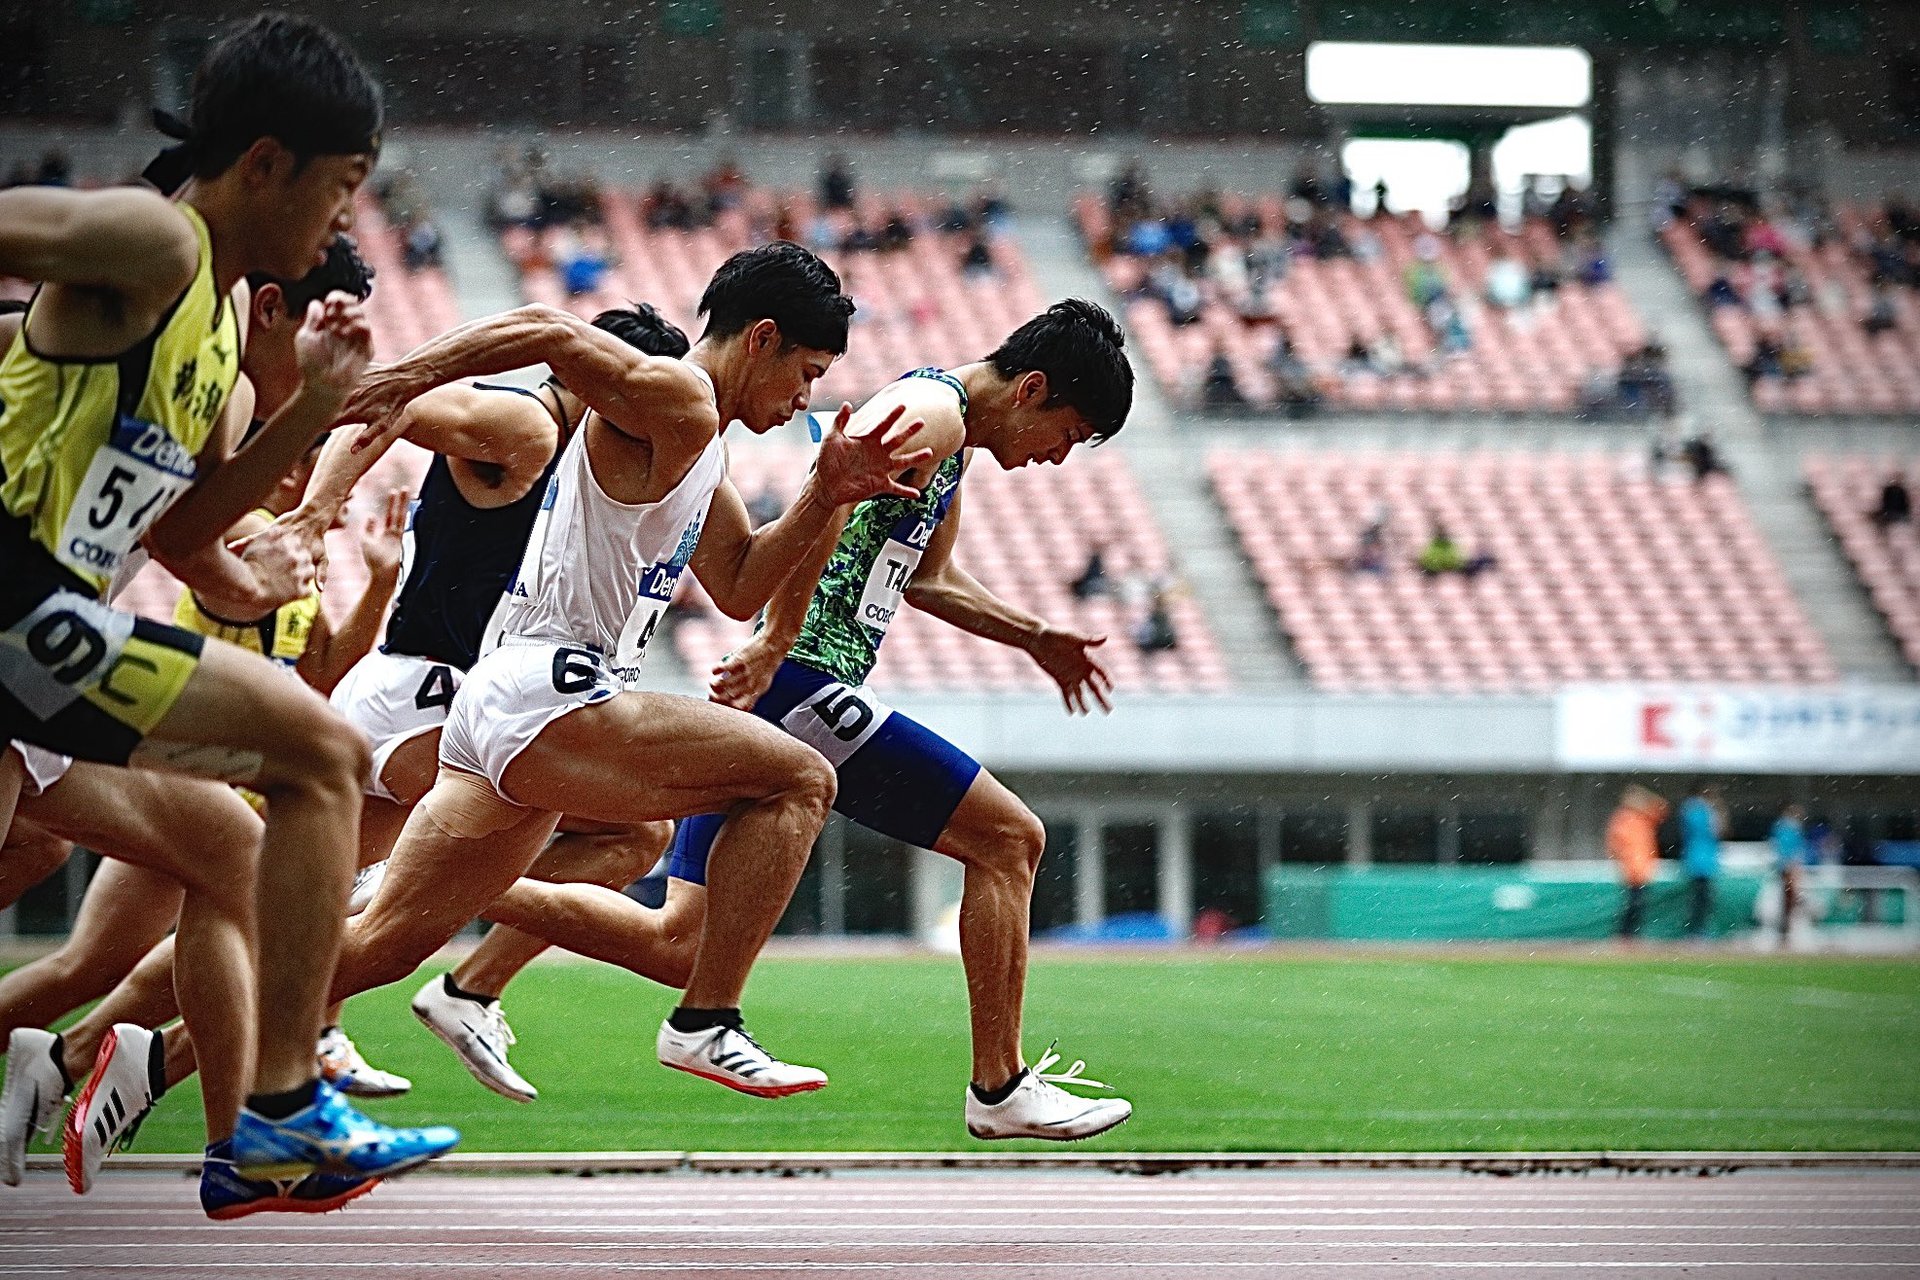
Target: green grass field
x=1234, y=1053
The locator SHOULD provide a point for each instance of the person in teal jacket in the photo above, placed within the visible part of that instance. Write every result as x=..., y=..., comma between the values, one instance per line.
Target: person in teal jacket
x=1702, y=821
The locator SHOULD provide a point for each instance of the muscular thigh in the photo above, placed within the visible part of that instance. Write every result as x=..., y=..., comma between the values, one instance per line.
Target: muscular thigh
x=240, y=719
x=154, y=820
x=644, y=757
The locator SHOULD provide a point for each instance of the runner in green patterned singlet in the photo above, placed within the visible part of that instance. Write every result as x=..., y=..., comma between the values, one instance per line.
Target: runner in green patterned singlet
x=1061, y=379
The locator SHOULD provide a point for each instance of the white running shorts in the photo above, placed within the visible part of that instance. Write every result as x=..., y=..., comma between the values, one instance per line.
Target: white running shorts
x=393, y=698
x=511, y=695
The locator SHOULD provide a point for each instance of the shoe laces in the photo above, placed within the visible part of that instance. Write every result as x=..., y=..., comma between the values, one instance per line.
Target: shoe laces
x=744, y=1035
x=1070, y=1076
x=494, y=1025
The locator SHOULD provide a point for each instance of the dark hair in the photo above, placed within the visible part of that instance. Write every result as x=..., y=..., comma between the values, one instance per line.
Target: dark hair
x=786, y=284
x=1078, y=345
x=344, y=271
x=641, y=326
x=276, y=76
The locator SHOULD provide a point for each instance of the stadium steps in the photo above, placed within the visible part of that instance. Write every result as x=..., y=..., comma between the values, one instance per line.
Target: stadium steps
x=1172, y=471
x=1767, y=469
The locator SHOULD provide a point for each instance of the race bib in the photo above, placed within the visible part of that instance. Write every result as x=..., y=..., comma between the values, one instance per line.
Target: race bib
x=51, y=658
x=837, y=721
x=133, y=478
x=656, y=593
x=887, y=583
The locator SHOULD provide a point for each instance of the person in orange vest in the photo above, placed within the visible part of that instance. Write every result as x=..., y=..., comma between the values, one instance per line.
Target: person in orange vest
x=1633, y=842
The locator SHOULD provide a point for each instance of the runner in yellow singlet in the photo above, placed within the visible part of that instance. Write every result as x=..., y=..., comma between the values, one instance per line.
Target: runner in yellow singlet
x=110, y=402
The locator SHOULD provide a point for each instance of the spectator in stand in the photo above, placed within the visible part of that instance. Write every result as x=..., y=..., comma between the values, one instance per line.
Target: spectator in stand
x=977, y=261
x=1591, y=266
x=724, y=186
x=1645, y=384
x=1703, y=457
x=584, y=260
x=1218, y=390
x=1370, y=552
x=1449, y=325
x=861, y=239
x=1127, y=195
x=1720, y=292
x=1791, y=852
x=1424, y=278
x=1176, y=290
x=1702, y=825
x=1796, y=358
x=1443, y=555
x=1767, y=358
x=1293, y=383
x=1896, y=503
x=1880, y=315
x=836, y=183
x=1093, y=580
x=897, y=233
x=420, y=243
x=1379, y=199
x=1155, y=633
x=1509, y=285
x=1633, y=841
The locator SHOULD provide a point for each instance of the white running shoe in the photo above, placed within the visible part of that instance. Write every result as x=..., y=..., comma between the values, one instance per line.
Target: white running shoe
x=478, y=1033
x=31, y=1100
x=109, y=1110
x=365, y=885
x=344, y=1069
x=1039, y=1108
x=729, y=1056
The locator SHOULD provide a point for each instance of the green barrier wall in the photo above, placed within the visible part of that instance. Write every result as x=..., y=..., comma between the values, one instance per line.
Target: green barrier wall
x=1463, y=904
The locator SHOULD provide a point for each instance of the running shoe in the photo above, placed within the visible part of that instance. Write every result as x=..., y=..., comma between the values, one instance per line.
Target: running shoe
x=478, y=1033
x=31, y=1100
x=365, y=885
x=225, y=1195
x=1039, y=1108
x=343, y=1067
x=729, y=1056
x=329, y=1136
x=117, y=1097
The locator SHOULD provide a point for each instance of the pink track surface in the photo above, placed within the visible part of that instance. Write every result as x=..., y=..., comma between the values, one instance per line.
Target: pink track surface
x=999, y=1225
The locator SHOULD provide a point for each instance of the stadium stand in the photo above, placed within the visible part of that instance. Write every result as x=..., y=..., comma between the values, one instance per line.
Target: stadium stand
x=1597, y=573
x=1545, y=354
x=1818, y=310
x=919, y=305
x=408, y=306
x=1885, y=552
x=1027, y=535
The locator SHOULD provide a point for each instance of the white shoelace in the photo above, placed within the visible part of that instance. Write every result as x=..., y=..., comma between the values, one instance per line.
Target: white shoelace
x=494, y=1025
x=1070, y=1076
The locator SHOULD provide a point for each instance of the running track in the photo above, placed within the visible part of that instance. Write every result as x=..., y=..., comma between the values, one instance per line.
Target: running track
x=993, y=1225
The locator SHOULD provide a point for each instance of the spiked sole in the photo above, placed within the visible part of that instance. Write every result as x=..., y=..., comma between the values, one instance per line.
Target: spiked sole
x=287, y=1204
x=770, y=1091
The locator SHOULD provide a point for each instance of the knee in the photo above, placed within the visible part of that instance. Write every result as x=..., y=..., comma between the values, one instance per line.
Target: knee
x=324, y=753
x=1010, y=844
x=621, y=859
x=814, y=786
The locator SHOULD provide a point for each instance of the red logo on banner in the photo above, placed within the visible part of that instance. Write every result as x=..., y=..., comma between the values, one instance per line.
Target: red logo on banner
x=1653, y=724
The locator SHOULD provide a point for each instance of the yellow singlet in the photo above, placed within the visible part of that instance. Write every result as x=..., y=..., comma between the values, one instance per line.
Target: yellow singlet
x=280, y=636
x=94, y=450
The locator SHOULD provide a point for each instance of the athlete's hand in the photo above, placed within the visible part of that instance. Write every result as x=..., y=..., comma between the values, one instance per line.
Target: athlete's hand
x=852, y=468
x=334, y=345
x=745, y=674
x=380, y=538
x=1068, y=657
x=380, y=403
x=282, y=565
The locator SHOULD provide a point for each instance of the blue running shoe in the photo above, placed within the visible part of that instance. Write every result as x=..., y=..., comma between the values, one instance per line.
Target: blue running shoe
x=329, y=1136
x=226, y=1195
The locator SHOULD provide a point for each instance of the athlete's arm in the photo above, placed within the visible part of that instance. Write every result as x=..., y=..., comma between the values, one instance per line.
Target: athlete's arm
x=741, y=567
x=743, y=675
x=126, y=239
x=510, y=432
x=334, y=344
x=638, y=394
x=331, y=654
x=943, y=589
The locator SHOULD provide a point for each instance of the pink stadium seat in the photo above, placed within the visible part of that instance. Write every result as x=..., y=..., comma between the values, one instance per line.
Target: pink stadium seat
x=1607, y=576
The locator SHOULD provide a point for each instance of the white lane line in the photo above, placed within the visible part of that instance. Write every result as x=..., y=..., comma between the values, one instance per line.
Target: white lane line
x=1078, y=1267
x=703, y=1246
x=365, y=1226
